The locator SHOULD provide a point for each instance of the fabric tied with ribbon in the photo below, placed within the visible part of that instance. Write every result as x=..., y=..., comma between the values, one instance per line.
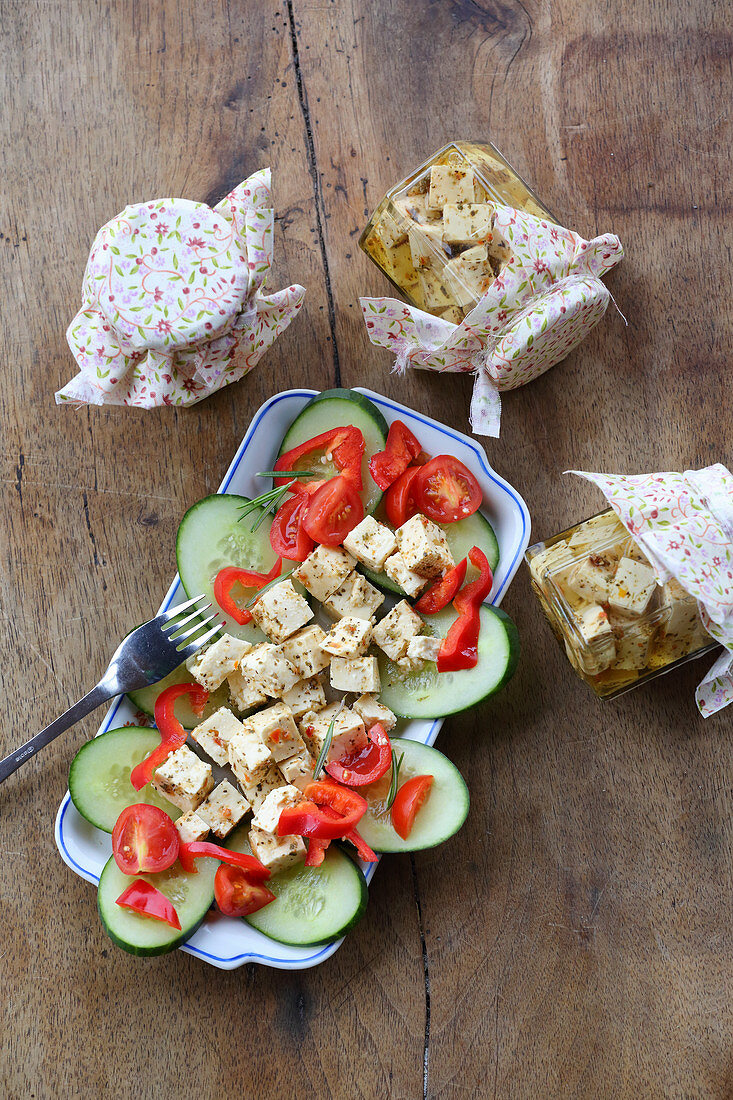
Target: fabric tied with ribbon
x=684, y=524
x=172, y=301
x=546, y=299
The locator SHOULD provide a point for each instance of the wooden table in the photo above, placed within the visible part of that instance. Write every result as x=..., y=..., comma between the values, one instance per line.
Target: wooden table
x=574, y=940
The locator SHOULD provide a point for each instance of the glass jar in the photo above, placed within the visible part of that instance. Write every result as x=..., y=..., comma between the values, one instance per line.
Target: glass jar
x=600, y=595
x=433, y=235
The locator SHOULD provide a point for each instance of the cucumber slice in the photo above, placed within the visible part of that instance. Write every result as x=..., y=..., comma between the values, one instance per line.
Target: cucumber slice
x=313, y=904
x=99, y=779
x=192, y=896
x=144, y=699
x=332, y=409
x=432, y=694
x=440, y=816
x=475, y=530
x=211, y=537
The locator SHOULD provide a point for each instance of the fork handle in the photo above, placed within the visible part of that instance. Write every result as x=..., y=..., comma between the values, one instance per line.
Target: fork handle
x=89, y=702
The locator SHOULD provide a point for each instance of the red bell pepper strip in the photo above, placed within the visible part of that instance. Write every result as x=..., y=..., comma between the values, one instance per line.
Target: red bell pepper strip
x=365, y=765
x=307, y=819
x=343, y=445
x=459, y=648
x=189, y=853
x=365, y=852
x=402, y=446
x=476, y=592
x=410, y=797
x=143, y=898
x=442, y=592
x=172, y=733
x=227, y=577
x=316, y=852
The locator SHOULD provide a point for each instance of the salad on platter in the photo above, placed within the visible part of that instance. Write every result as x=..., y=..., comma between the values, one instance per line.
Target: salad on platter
x=353, y=593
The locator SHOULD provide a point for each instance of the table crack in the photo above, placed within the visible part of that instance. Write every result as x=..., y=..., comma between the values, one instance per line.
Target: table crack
x=426, y=978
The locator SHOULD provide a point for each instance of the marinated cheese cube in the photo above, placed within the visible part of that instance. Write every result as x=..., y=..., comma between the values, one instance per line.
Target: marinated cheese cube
x=469, y=275
x=454, y=314
x=450, y=184
x=410, y=664
x=424, y=547
x=596, y=531
x=633, y=640
x=467, y=222
x=349, y=637
x=184, y=779
x=304, y=696
x=249, y=757
x=400, y=267
x=277, y=730
x=396, y=569
x=324, y=571
x=244, y=691
x=277, y=853
x=348, y=731
x=393, y=633
x=215, y=733
x=371, y=543
x=268, y=815
x=280, y=611
x=499, y=250
x=211, y=667
x=266, y=781
x=415, y=208
x=424, y=648
x=370, y=710
x=356, y=597
x=426, y=246
x=391, y=232
x=552, y=561
x=436, y=294
x=223, y=809
x=191, y=827
x=599, y=650
x=355, y=674
x=591, y=579
x=304, y=652
x=679, y=609
x=632, y=587
x=298, y=770
x=268, y=666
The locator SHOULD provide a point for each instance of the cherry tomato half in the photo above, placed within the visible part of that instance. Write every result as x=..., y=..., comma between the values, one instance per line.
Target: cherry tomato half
x=235, y=895
x=333, y=510
x=408, y=800
x=144, y=839
x=399, y=501
x=287, y=536
x=445, y=490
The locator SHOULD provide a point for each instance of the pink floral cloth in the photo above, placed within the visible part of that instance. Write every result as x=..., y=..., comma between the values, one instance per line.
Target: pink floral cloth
x=172, y=302
x=684, y=523
x=545, y=301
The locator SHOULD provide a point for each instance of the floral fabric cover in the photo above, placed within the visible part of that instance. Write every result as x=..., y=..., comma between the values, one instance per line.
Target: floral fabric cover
x=172, y=302
x=684, y=524
x=544, y=302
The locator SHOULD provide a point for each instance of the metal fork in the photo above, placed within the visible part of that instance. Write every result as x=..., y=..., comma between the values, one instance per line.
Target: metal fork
x=145, y=656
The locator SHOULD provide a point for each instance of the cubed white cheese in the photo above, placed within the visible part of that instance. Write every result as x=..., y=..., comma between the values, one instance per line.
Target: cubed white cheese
x=436, y=294
x=424, y=648
x=393, y=633
x=499, y=249
x=184, y=779
x=591, y=578
x=467, y=222
x=391, y=231
x=632, y=587
x=349, y=637
x=399, y=265
x=277, y=730
x=680, y=617
x=191, y=828
x=396, y=569
x=298, y=770
x=223, y=809
x=211, y=667
x=596, y=532
x=277, y=853
x=553, y=561
x=355, y=674
x=268, y=815
x=371, y=543
x=410, y=664
x=454, y=314
x=633, y=639
x=265, y=781
x=215, y=733
x=280, y=611
x=348, y=733
x=245, y=692
x=448, y=184
x=304, y=696
x=424, y=547
x=371, y=711
x=426, y=246
x=415, y=208
x=598, y=649
x=356, y=596
x=268, y=666
x=248, y=756
x=324, y=570
x=469, y=276
x=304, y=651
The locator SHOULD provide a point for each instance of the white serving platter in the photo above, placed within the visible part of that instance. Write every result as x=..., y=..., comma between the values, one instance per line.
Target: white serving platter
x=228, y=942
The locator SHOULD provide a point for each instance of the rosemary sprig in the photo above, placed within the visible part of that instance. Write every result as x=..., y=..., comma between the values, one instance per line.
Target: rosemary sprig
x=269, y=584
x=326, y=748
x=396, y=765
x=269, y=501
x=292, y=473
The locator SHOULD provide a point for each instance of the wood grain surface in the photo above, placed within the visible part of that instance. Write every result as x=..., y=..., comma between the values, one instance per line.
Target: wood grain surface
x=574, y=939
